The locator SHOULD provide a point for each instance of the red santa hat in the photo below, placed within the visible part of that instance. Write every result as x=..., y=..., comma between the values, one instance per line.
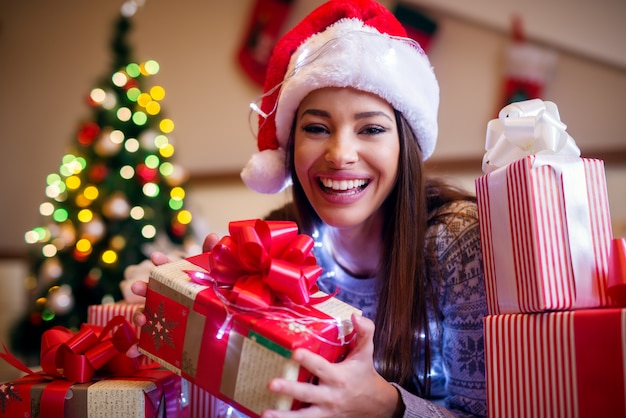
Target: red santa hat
x=343, y=43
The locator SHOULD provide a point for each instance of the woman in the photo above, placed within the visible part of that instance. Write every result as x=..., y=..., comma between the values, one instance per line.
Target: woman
x=348, y=116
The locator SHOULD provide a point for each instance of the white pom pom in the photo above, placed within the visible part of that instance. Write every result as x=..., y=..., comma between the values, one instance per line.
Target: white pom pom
x=266, y=172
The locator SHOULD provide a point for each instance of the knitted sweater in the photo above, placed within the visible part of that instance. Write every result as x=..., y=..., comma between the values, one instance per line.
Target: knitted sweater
x=458, y=367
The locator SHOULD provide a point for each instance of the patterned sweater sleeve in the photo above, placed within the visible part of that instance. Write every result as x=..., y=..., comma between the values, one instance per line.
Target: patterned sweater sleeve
x=455, y=239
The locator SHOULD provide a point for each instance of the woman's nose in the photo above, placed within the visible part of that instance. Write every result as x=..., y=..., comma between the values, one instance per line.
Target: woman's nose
x=342, y=150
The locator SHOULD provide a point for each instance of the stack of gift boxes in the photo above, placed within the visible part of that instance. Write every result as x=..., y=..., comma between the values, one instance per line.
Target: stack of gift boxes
x=88, y=374
x=555, y=336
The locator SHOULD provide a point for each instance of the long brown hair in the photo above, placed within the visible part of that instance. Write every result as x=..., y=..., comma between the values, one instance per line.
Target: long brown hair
x=402, y=335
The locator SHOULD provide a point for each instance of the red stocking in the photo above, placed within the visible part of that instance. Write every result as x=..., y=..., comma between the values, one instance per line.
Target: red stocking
x=528, y=67
x=264, y=29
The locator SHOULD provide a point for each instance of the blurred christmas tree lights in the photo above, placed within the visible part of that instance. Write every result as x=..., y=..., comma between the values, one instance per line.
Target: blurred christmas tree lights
x=116, y=192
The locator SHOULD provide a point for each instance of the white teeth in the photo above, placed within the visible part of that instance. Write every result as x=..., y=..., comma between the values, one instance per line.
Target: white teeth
x=342, y=184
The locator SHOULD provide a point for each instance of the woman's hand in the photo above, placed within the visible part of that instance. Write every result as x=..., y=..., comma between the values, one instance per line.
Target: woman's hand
x=351, y=388
x=140, y=287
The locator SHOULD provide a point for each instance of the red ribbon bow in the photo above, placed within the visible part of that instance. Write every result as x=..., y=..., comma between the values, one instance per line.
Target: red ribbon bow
x=263, y=262
x=76, y=357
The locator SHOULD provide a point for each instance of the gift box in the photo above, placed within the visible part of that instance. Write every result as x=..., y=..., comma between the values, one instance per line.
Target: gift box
x=544, y=221
x=149, y=393
x=556, y=364
x=236, y=330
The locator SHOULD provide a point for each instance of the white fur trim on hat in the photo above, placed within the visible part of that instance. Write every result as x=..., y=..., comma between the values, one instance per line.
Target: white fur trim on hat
x=352, y=54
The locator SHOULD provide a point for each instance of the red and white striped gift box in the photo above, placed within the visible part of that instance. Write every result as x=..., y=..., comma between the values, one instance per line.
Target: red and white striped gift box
x=557, y=364
x=100, y=315
x=205, y=405
x=545, y=234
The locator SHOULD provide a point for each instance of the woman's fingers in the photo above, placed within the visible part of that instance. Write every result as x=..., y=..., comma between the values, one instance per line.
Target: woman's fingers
x=209, y=242
x=139, y=287
x=364, y=329
x=133, y=351
x=159, y=258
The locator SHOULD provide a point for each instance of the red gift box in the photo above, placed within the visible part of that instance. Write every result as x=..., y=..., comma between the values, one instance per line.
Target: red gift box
x=557, y=364
x=232, y=339
x=149, y=393
x=545, y=234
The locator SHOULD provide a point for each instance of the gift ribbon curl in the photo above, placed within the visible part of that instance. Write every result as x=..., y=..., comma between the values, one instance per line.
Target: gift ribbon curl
x=78, y=357
x=526, y=128
x=264, y=263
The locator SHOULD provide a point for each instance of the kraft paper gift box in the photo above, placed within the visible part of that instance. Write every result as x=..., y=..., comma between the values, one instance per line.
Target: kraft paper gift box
x=557, y=364
x=228, y=339
x=544, y=218
x=148, y=394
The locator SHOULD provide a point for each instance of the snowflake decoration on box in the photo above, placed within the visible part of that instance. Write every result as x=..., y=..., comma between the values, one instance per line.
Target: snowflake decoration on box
x=159, y=327
x=8, y=394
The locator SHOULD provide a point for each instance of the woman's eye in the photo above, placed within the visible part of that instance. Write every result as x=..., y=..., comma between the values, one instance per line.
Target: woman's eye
x=373, y=130
x=314, y=129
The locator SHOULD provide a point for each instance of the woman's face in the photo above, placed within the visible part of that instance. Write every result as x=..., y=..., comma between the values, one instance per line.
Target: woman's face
x=346, y=151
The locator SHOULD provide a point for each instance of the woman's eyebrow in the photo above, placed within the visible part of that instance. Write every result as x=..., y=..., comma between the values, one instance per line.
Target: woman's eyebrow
x=315, y=112
x=360, y=115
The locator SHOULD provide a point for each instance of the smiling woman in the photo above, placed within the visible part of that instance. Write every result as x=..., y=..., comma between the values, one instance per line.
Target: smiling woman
x=350, y=132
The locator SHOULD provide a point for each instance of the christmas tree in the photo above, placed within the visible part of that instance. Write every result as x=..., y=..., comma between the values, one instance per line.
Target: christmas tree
x=116, y=194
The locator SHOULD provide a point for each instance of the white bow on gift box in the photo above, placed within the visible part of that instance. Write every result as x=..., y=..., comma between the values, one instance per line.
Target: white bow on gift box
x=531, y=127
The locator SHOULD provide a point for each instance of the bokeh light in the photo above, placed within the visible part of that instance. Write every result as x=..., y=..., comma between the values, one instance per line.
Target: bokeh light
x=119, y=79
x=150, y=67
x=127, y=172
x=184, y=217
x=157, y=93
x=148, y=231
x=166, y=126
x=151, y=189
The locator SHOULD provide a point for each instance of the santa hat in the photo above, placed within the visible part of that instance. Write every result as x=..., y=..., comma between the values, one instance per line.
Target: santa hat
x=343, y=43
